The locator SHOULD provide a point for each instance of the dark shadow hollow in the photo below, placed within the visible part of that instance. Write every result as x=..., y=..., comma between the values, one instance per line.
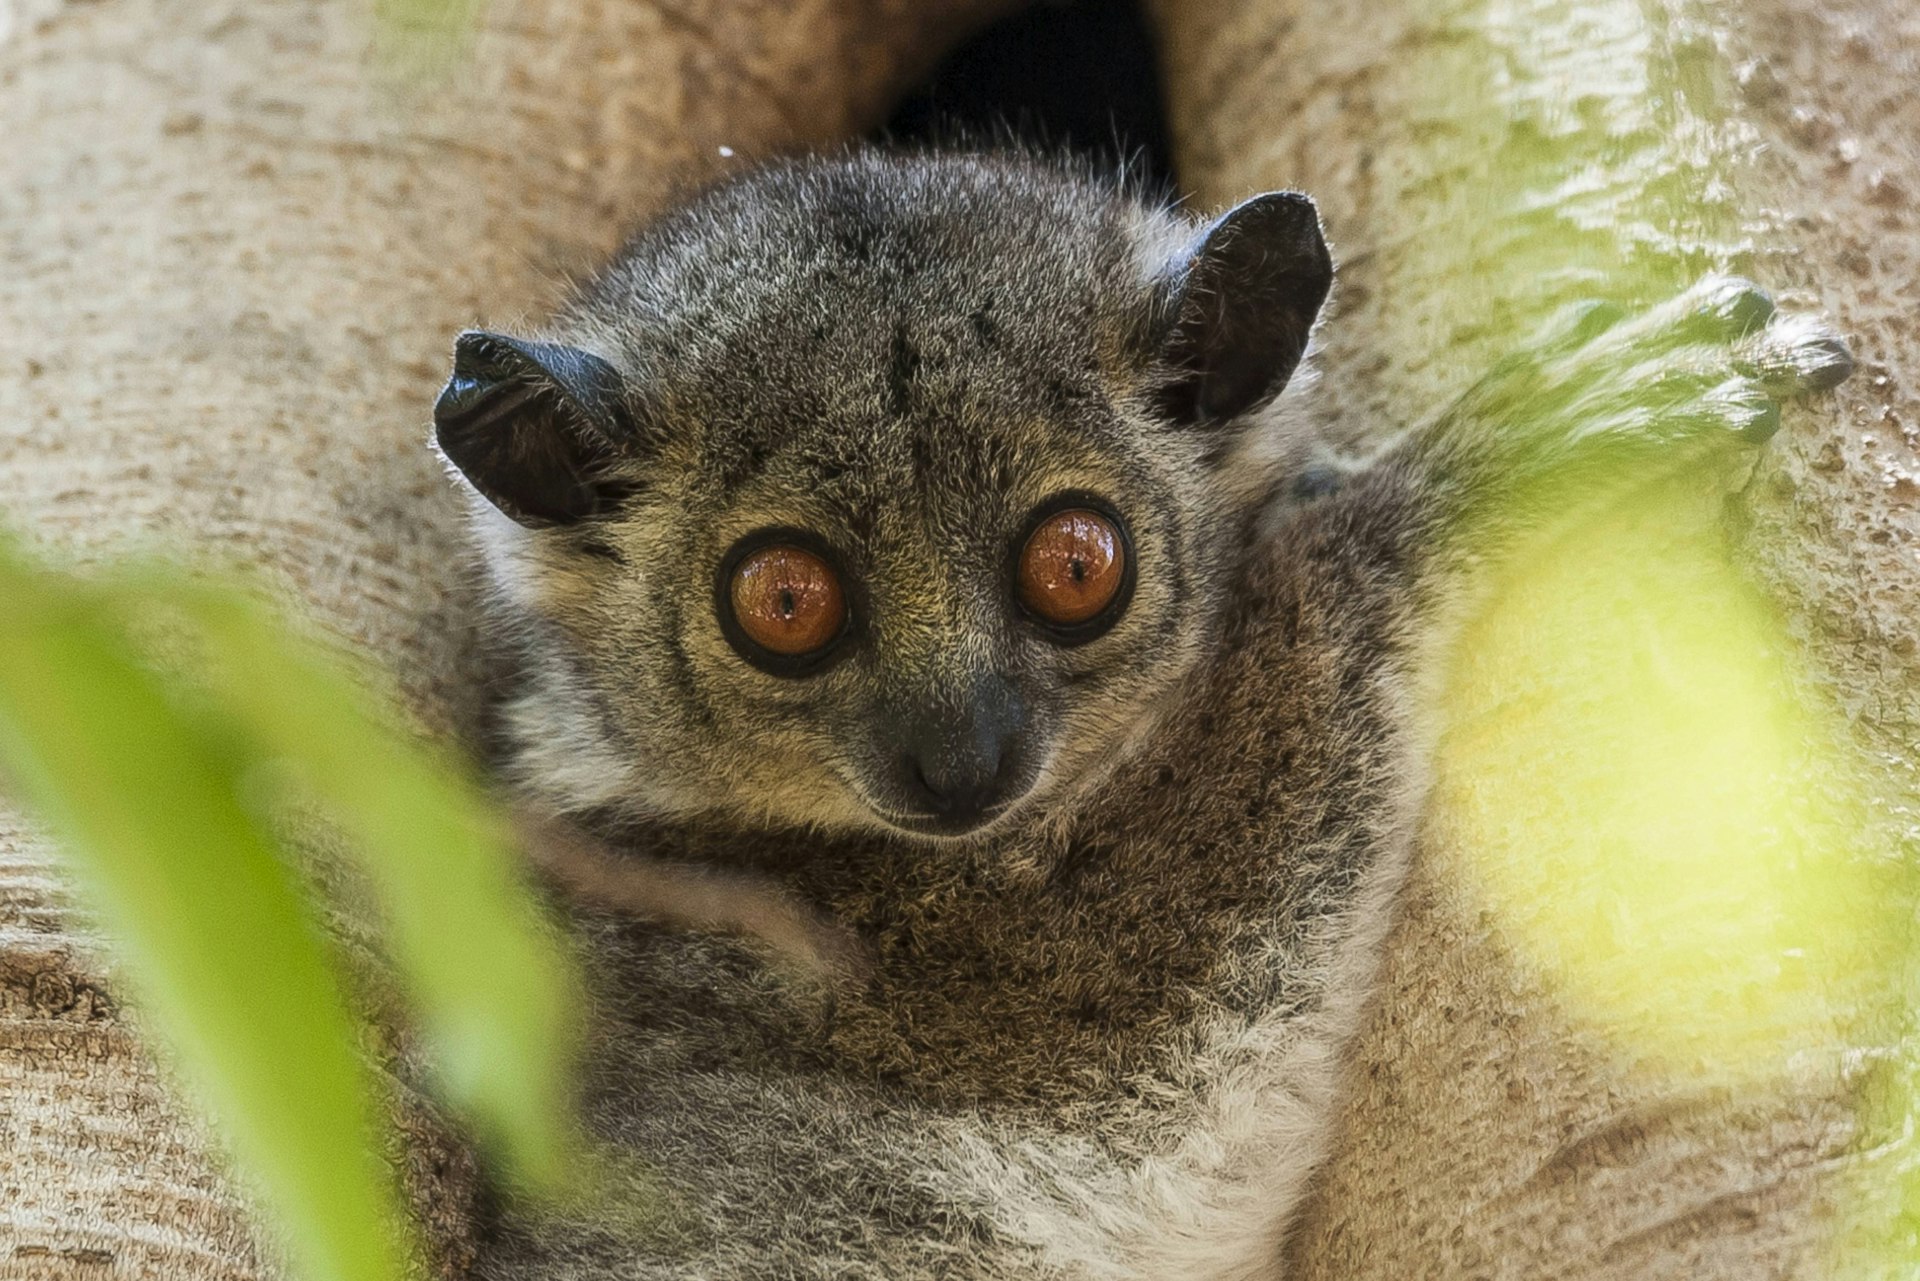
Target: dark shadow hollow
x=1077, y=74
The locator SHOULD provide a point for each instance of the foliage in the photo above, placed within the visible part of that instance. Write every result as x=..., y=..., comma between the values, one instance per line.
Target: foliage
x=1653, y=792
x=169, y=782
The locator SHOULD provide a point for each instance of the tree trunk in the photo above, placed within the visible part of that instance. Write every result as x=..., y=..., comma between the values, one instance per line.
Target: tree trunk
x=1478, y=163
x=233, y=253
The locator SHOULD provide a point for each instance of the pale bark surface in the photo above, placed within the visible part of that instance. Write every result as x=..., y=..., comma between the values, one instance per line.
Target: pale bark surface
x=233, y=255
x=1488, y=1131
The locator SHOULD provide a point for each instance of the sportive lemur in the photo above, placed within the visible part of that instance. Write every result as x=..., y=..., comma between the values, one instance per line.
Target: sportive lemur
x=921, y=532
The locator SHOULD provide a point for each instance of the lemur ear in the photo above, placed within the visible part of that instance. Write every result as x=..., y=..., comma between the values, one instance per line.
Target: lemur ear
x=1243, y=299
x=533, y=426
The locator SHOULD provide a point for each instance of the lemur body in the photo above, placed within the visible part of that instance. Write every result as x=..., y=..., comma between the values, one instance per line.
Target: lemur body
x=1122, y=874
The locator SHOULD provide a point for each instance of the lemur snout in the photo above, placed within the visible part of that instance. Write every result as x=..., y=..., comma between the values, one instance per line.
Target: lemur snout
x=962, y=757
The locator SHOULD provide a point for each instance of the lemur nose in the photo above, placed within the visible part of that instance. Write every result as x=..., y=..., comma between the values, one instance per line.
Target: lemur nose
x=960, y=754
x=958, y=786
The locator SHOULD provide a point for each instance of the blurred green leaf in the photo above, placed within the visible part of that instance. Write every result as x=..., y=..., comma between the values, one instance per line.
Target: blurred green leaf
x=489, y=984
x=223, y=954
x=419, y=42
x=164, y=782
x=1647, y=784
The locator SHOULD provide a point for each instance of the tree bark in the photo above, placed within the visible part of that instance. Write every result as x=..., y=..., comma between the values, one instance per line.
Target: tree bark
x=1490, y=1129
x=234, y=248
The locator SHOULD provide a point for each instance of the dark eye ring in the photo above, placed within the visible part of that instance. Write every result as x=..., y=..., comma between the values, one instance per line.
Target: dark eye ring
x=1073, y=568
x=782, y=602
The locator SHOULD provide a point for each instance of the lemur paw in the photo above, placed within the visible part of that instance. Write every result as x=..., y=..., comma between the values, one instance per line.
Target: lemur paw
x=1715, y=361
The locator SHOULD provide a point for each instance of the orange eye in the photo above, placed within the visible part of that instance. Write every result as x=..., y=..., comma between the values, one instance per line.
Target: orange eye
x=1072, y=567
x=787, y=601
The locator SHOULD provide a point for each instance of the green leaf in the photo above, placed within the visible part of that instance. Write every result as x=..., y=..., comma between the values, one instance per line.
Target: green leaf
x=225, y=959
x=488, y=981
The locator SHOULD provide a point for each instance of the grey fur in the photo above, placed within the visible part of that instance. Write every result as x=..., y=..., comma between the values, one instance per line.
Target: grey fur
x=1100, y=1038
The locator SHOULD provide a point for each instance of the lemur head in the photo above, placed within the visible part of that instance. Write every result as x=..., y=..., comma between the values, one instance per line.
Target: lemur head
x=882, y=492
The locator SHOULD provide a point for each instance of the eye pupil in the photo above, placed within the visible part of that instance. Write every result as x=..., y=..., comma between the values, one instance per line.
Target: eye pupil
x=786, y=602
x=1072, y=568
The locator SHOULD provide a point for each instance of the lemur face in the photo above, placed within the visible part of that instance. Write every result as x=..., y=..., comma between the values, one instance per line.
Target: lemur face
x=893, y=494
